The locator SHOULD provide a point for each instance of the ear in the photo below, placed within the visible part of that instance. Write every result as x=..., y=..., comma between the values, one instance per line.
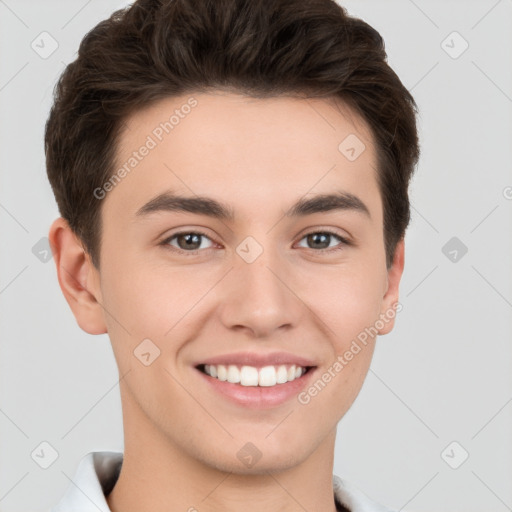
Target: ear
x=390, y=305
x=78, y=278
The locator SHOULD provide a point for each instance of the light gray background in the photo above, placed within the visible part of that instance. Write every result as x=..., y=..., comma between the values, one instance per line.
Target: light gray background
x=443, y=375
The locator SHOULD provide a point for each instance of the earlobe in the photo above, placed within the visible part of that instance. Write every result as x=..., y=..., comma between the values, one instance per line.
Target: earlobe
x=75, y=275
x=391, y=296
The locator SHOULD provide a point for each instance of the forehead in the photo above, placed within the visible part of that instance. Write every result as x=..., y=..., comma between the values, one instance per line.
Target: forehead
x=250, y=152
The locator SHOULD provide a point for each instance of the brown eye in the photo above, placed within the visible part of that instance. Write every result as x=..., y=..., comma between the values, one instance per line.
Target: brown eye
x=187, y=241
x=321, y=240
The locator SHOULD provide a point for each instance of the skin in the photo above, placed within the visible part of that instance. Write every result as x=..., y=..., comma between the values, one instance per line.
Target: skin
x=259, y=156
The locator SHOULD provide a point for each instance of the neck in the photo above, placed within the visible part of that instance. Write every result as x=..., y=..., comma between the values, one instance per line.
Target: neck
x=158, y=474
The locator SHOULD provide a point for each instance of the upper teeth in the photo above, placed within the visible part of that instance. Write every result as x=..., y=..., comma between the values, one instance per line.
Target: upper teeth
x=252, y=376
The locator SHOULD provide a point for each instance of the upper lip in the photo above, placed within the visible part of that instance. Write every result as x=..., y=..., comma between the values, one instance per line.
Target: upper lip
x=258, y=360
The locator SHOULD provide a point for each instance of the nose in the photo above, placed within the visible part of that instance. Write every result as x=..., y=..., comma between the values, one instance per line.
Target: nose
x=259, y=297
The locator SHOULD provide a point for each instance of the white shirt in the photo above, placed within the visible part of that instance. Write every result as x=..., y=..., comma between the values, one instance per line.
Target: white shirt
x=98, y=472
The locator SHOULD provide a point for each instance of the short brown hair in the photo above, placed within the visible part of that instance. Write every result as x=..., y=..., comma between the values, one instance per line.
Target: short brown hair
x=162, y=48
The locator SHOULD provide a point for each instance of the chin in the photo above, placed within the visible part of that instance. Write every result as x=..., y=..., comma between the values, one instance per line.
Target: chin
x=251, y=460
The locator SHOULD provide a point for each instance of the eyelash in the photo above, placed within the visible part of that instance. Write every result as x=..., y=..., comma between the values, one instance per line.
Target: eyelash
x=165, y=243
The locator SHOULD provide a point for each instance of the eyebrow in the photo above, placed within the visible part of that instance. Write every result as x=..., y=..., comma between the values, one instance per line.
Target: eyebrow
x=201, y=205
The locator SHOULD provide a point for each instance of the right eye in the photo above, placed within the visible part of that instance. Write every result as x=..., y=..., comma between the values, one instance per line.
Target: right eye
x=188, y=242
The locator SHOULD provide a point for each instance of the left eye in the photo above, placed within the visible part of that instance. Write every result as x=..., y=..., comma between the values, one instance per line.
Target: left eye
x=190, y=241
x=320, y=237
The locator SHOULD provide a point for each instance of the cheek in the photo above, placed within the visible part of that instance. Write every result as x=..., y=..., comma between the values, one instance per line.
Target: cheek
x=133, y=309
x=140, y=298
x=148, y=301
x=346, y=301
x=351, y=378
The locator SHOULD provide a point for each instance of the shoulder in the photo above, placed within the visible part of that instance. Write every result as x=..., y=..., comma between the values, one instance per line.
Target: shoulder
x=94, y=478
x=353, y=499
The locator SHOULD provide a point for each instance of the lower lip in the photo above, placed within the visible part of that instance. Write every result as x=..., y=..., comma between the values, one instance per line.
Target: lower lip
x=258, y=397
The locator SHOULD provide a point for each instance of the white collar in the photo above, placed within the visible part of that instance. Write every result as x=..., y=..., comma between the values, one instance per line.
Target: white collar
x=98, y=472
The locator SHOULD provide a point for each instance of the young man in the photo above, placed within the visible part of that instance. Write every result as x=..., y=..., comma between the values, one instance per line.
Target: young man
x=232, y=178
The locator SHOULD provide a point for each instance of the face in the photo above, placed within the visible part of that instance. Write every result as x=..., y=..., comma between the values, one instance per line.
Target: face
x=269, y=276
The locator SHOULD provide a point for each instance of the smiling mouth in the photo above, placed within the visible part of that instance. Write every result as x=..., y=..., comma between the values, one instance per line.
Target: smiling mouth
x=244, y=375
